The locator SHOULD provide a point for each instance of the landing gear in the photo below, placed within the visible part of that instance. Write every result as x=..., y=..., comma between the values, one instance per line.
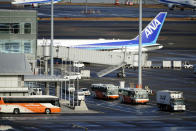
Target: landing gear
x=122, y=73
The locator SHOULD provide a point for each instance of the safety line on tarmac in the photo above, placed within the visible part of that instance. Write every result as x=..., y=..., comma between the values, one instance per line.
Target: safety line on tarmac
x=111, y=19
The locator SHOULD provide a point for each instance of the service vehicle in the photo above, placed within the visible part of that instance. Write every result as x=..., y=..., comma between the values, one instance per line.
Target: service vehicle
x=170, y=100
x=86, y=91
x=79, y=96
x=105, y=91
x=133, y=95
x=187, y=65
x=29, y=104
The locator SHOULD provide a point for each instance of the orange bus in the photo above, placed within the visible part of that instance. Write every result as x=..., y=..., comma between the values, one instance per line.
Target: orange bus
x=133, y=95
x=29, y=104
x=105, y=91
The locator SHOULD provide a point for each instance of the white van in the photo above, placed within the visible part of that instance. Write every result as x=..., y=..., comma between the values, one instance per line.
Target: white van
x=79, y=96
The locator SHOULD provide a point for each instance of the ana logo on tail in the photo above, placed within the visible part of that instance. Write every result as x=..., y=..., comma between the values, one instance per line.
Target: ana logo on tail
x=151, y=27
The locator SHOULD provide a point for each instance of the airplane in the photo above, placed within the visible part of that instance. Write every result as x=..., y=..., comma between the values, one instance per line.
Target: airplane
x=34, y=3
x=149, y=40
x=179, y=3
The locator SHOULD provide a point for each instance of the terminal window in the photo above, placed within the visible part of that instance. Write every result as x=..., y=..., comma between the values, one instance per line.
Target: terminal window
x=10, y=28
x=27, y=47
x=27, y=28
x=4, y=28
x=12, y=47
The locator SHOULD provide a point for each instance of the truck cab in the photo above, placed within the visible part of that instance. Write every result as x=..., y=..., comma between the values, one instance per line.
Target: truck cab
x=178, y=105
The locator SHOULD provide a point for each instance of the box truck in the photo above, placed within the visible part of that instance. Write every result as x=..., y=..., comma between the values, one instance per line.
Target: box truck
x=170, y=100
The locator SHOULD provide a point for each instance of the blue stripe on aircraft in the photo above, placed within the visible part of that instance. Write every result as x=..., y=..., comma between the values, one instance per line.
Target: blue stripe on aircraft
x=166, y=1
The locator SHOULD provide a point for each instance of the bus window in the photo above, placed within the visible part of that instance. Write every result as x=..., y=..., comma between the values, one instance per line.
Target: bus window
x=57, y=103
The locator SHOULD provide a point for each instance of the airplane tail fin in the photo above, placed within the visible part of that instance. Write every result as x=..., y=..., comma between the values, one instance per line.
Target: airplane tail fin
x=151, y=32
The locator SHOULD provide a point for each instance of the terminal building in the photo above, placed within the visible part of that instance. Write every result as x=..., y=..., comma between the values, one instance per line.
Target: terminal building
x=18, y=33
x=18, y=46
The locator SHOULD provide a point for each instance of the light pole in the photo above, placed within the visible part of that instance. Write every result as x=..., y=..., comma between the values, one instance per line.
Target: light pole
x=140, y=47
x=86, y=9
x=52, y=37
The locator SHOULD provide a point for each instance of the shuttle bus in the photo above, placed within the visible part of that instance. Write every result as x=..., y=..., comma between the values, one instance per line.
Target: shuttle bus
x=105, y=91
x=133, y=95
x=29, y=104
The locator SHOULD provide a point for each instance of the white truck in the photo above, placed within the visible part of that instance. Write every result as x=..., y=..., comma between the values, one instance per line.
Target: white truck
x=170, y=100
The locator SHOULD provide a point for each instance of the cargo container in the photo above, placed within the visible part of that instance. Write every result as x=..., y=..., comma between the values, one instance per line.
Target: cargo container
x=166, y=64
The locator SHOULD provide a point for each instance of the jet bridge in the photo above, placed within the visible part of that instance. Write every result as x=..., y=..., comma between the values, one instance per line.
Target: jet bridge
x=114, y=59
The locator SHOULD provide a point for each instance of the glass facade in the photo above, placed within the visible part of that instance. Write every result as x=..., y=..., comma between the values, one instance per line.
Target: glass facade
x=16, y=46
x=9, y=28
x=18, y=32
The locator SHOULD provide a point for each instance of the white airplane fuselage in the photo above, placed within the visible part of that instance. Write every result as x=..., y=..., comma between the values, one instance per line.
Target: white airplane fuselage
x=179, y=3
x=91, y=44
x=30, y=2
x=149, y=40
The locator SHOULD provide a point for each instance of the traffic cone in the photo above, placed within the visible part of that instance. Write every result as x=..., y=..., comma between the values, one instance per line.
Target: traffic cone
x=117, y=2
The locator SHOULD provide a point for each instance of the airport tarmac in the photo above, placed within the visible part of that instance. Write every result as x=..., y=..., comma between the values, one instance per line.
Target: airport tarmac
x=112, y=115
x=75, y=11
x=108, y=11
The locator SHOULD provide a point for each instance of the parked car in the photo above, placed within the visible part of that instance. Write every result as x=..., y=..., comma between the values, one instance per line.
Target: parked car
x=86, y=91
x=79, y=96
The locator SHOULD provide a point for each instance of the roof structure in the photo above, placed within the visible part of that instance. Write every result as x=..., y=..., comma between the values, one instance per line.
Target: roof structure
x=14, y=64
